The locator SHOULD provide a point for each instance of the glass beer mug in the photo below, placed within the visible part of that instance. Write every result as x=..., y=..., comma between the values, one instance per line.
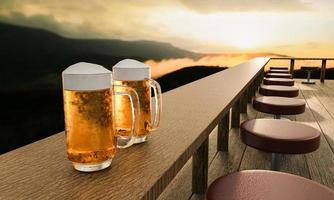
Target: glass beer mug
x=89, y=115
x=137, y=75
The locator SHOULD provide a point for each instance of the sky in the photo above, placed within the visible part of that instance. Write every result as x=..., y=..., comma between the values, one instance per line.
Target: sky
x=289, y=27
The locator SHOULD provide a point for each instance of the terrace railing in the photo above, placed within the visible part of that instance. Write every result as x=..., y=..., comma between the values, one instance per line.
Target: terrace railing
x=41, y=170
x=292, y=64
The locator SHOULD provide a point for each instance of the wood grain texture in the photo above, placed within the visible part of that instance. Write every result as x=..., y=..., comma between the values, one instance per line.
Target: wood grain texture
x=323, y=71
x=41, y=170
x=320, y=162
x=243, y=104
x=292, y=67
x=200, y=169
x=249, y=95
x=223, y=133
x=235, y=120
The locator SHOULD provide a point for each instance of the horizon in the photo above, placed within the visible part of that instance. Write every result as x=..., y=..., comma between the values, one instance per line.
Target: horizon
x=295, y=28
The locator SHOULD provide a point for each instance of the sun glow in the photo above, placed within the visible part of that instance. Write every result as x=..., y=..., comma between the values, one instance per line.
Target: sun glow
x=237, y=30
x=195, y=25
x=244, y=43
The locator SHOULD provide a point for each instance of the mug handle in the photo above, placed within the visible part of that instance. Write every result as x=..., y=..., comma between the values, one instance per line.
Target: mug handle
x=135, y=110
x=154, y=124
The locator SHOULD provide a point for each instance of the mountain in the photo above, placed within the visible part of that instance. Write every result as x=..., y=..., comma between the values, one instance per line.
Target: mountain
x=30, y=54
x=186, y=75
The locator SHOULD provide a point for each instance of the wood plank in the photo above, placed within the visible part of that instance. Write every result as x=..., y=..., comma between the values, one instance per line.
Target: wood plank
x=200, y=169
x=190, y=113
x=317, y=99
x=243, y=104
x=236, y=114
x=320, y=162
x=292, y=67
x=325, y=94
x=323, y=70
x=223, y=132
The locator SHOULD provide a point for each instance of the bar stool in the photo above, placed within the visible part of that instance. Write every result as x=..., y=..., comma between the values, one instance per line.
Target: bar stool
x=278, y=75
x=309, y=70
x=284, y=71
x=278, y=90
x=279, y=137
x=266, y=185
x=278, y=106
x=279, y=68
x=278, y=81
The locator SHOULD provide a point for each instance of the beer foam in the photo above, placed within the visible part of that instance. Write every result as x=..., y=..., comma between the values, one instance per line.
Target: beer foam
x=129, y=70
x=86, y=76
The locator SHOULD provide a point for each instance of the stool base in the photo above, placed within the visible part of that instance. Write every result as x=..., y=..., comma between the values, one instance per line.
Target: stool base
x=308, y=82
x=275, y=161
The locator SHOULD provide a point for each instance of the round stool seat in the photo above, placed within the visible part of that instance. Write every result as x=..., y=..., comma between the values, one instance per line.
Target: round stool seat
x=284, y=71
x=280, y=136
x=278, y=90
x=279, y=67
x=309, y=68
x=279, y=105
x=278, y=81
x=266, y=185
x=278, y=75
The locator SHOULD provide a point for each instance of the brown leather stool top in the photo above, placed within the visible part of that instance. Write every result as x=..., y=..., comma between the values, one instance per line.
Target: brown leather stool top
x=279, y=67
x=266, y=185
x=279, y=105
x=278, y=81
x=280, y=136
x=278, y=75
x=311, y=68
x=284, y=71
x=278, y=90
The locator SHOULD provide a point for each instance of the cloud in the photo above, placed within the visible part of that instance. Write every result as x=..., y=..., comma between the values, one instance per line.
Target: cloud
x=214, y=6
x=85, y=19
x=165, y=66
x=49, y=22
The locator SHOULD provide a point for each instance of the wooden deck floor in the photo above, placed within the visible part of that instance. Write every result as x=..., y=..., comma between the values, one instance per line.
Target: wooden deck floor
x=318, y=166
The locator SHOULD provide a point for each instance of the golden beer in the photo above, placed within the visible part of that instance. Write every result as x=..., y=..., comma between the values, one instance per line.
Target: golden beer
x=89, y=115
x=123, y=108
x=136, y=75
x=89, y=126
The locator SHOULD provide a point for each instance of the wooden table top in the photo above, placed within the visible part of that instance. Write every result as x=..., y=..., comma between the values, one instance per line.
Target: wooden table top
x=41, y=170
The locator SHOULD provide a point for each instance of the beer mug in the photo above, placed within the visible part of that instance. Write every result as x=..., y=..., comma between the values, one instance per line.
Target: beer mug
x=89, y=115
x=137, y=75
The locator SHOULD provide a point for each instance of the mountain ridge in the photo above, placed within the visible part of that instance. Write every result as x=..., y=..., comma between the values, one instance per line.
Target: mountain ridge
x=30, y=54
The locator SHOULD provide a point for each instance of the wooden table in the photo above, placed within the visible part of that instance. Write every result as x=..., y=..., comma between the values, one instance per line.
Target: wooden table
x=41, y=170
